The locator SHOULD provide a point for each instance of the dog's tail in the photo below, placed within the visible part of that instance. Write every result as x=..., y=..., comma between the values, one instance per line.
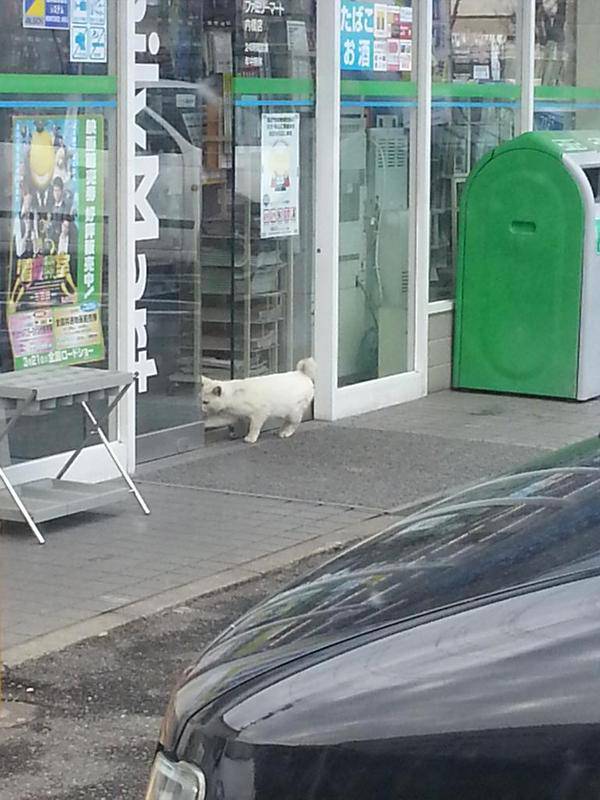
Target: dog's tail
x=309, y=367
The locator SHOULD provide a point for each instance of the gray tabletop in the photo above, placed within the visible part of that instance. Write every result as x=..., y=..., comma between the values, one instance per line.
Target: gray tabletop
x=50, y=383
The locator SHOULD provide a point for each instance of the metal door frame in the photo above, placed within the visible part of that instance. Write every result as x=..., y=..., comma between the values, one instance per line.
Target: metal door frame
x=332, y=402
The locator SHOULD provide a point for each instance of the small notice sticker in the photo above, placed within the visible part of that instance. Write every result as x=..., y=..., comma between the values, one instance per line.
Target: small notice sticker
x=89, y=28
x=47, y=14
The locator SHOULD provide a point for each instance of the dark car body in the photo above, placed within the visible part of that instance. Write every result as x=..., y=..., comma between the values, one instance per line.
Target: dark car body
x=455, y=655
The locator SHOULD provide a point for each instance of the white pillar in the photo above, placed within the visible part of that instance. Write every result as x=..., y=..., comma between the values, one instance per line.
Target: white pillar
x=125, y=220
x=327, y=206
x=422, y=160
x=527, y=53
x=585, y=44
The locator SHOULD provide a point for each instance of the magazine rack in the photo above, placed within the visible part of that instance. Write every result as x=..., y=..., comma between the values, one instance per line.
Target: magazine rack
x=42, y=390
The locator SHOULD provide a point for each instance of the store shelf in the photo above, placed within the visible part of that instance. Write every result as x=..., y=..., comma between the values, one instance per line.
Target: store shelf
x=258, y=316
x=244, y=290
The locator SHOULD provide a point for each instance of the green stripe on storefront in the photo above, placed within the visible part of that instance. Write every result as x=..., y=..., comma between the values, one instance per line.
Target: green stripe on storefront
x=566, y=93
x=303, y=87
x=504, y=91
x=298, y=87
x=511, y=91
x=57, y=84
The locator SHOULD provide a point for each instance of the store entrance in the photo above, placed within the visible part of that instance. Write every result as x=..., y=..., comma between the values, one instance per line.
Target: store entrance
x=188, y=125
x=230, y=278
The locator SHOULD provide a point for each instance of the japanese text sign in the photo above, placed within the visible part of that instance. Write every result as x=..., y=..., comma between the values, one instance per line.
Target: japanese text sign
x=375, y=37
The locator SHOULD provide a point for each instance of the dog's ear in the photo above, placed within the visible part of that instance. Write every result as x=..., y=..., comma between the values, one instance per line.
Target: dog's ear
x=217, y=391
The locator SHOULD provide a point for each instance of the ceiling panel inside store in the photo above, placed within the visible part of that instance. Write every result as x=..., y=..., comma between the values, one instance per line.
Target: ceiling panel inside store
x=489, y=16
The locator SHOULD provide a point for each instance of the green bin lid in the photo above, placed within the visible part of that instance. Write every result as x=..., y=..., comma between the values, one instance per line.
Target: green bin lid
x=555, y=143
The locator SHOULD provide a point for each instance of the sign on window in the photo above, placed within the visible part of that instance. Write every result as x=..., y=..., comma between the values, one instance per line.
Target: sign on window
x=55, y=272
x=375, y=37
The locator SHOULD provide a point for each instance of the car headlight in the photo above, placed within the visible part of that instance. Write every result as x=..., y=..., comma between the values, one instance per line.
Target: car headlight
x=175, y=781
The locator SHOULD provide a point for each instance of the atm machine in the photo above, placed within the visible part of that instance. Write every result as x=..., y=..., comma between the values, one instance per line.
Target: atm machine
x=387, y=171
x=528, y=272
x=373, y=276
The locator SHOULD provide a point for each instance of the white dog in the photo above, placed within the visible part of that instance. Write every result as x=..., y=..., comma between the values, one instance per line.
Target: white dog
x=285, y=395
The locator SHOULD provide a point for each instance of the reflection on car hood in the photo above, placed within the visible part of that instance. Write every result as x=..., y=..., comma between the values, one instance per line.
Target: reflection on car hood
x=540, y=523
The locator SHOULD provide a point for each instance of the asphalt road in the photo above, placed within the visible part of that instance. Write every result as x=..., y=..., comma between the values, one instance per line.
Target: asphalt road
x=100, y=702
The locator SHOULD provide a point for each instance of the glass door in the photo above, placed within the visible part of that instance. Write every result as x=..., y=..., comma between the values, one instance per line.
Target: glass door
x=567, y=83
x=230, y=277
x=377, y=125
x=476, y=97
x=257, y=230
x=273, y=209
x=178, y=111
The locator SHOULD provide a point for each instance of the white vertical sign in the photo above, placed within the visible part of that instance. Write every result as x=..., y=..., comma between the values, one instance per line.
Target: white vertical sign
x=146, y=225
x=280, y=175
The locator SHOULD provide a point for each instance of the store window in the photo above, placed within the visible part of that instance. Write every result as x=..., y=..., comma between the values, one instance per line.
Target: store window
x=376, y=309
x=35, y=39
x=567, y=93
x=475, y=102
x=57, y=208
x=273, y=192
x=230, y=288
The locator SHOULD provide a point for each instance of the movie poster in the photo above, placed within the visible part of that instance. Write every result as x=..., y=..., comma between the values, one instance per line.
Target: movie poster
x=55, y=268
x=280, y=175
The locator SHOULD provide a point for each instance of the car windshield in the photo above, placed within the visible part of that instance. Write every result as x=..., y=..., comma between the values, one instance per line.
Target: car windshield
x=180, y=108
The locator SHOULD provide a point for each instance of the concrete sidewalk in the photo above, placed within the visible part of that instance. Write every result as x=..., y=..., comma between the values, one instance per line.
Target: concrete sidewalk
x=234, y=511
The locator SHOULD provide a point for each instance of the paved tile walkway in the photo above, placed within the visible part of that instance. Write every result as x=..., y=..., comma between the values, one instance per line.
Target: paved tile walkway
x=93, y=563
x=497, y=419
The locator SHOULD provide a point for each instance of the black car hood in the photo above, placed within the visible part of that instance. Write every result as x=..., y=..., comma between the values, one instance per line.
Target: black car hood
x=523, y=528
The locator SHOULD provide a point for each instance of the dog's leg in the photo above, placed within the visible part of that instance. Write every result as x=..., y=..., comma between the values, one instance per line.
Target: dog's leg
x=290, y=426
x=256, y=424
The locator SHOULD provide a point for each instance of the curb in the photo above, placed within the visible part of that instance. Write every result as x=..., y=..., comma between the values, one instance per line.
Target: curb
x=101, y=624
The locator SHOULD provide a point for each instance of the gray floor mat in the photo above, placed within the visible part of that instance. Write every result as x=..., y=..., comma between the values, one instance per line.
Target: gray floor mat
x=379, y=469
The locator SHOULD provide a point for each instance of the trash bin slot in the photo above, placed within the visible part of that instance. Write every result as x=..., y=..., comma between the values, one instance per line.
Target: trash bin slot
x=523, y=226
x=593, y=176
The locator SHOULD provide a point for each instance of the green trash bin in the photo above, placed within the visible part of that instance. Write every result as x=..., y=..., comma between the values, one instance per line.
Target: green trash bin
x=527, y=312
